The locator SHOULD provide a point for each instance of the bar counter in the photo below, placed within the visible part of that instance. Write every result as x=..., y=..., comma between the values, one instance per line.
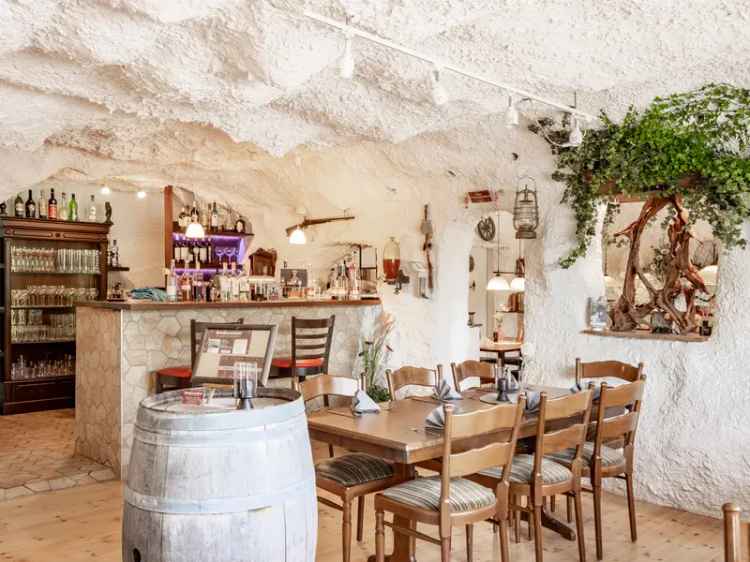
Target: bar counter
x=120, y=344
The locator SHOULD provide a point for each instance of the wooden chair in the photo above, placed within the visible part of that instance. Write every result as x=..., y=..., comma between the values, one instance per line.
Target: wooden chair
x=736, y=535
x=352, y=475
x=261, y=339
x=536, y=476
x=311, y=348
x=412, y=376
x=180, y=377
x=448, y=499
x=472, y=369
x=601, y=461
x=604, y=369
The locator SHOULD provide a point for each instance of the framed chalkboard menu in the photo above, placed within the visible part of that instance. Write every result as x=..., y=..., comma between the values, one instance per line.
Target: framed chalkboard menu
x=224, y=346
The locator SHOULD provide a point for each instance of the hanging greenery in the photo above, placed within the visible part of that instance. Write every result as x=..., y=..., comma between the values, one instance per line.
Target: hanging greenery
x=691, y=146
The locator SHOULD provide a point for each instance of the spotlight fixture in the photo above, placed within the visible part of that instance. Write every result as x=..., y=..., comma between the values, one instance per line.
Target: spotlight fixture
x=576, y=134
x=439, y=93
x=297, y=237
x=105, y=190
x=346, y=63
x=140, y=194
x=512, y=118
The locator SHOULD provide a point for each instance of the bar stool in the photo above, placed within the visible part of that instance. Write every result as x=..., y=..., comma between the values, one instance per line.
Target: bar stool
x=179, y=377
x=311, y=348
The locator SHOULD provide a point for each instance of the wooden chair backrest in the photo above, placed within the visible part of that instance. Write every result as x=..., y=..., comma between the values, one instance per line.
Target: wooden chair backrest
x=622, y=426
x=505, y=419
x=197, y=330
x=413, y=376
x=311, y=339
x=736, y=535
x=577, y=408
x=328, y=385
x=472, y=369
x=601, y=369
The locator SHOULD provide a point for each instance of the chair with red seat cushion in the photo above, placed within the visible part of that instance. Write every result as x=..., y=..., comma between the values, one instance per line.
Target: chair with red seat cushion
x=179, y=377
x=311, y=346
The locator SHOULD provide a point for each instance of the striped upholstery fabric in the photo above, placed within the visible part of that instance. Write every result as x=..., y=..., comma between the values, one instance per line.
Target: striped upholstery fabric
x=425, y=493
x=353, y=469
x=523, y=467
x=610, y=457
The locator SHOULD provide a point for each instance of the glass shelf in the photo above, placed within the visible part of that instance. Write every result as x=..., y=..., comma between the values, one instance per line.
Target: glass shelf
x=54, y=273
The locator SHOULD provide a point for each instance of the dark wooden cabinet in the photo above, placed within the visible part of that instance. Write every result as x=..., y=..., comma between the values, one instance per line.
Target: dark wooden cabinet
x=68, y=261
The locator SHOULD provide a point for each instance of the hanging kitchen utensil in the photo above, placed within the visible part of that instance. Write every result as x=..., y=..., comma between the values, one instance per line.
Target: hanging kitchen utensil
x=428, y=231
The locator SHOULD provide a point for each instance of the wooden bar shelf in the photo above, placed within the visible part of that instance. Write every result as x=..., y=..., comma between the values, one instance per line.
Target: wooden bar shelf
x=645, y=335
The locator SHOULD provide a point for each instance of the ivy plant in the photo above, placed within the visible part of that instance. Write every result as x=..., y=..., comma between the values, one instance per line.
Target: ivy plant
x=692, y=144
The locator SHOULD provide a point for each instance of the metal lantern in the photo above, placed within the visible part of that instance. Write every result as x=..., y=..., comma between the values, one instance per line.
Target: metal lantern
x=525, y=209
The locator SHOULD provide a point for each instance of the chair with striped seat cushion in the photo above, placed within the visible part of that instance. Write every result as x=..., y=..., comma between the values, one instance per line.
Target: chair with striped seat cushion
x=465, y=495
x=523, y=468
x=353, y=469
x=610, y=457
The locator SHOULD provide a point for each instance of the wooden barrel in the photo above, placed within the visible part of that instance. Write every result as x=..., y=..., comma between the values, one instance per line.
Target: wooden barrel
x=214, y=484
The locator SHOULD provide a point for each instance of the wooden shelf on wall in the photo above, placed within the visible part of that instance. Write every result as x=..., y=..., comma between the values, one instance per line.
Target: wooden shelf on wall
x=646, y=335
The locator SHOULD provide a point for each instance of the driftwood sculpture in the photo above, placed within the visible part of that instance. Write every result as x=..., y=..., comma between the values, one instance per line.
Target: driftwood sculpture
x=681, y=277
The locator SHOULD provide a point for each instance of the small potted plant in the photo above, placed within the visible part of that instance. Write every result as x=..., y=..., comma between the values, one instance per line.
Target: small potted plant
x=374, y=356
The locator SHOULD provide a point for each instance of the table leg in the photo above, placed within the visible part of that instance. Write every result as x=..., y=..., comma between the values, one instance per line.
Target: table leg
x=553, y=524
x=403, y=546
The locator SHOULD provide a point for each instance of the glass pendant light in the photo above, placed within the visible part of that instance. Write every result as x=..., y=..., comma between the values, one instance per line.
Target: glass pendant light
x=297, y=237
x=195, y=231
x=439, y=93
x=497, y=282
x=512, y=118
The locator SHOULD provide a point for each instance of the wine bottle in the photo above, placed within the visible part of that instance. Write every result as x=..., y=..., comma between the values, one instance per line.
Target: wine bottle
x=63, y=209
x=182, y=219
x=30, y=208
x=203, y=252
x=52, y=205
x=171, y=283
x=214, y=218
x=92, y=210
x=41, y=206
x=194, y=215
x=73, y=208
x=19, y=206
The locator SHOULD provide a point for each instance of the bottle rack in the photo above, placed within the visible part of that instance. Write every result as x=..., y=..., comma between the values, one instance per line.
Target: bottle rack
x=43, y=388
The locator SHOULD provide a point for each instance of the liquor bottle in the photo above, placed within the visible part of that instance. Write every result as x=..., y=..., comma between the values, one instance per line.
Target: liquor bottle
x=183, y=217
x=19, y=207
x=41, y=206
x=73, y=208
x=186, y=287
x=203, y=251
x=63, y=209
x=171, y=283
x=115, y=254
x=177, y=251
x=92, y=210
x=194, y=214
x=30, y=208
x=234, y=284
x=214, y=218
x=52, y=205
x=205, y=217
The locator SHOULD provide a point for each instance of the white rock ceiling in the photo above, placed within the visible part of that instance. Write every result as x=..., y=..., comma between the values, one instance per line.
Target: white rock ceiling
x=202, y=84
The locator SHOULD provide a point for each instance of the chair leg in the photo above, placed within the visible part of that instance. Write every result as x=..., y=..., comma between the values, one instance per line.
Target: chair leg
x=360, y=517
x=528, y=528
x=569, y=509
x=346, y=531
x=579, y=528
x=445, y=549
x=504, y=556
x=538, y=533
x=330, y=451
x=631, y=507
x=158, y=385
x=469, y=543
x=379, y=536
x=516, y=514
x=598, y=520
x=553, y=503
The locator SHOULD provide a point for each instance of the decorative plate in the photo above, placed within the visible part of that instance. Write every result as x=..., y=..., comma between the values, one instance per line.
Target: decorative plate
x=486, y=229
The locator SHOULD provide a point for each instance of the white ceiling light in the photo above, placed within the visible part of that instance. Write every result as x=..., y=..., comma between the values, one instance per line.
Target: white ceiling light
x=439, y=93
x=140, y=194
x=105, y=190
x=346, y=64
x=297, y=237
x=195, y=231
x=512, y=118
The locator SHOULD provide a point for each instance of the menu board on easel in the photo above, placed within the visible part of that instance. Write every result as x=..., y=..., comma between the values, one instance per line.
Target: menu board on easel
x=222, y=349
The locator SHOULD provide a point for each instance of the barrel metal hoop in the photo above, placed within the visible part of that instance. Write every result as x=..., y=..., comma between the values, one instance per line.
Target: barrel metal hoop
x=217, y=505
x=209, y=439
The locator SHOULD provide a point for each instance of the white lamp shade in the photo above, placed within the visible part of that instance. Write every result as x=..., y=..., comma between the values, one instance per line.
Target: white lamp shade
x=298, y=237
x=518, y=284
x=346, y=64
x=195, y=230
x=512, y=118
x=710, y=275
x=498, y=283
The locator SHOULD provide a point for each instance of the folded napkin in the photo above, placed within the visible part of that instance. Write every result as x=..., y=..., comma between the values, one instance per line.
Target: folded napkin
x=513, y=385
x=596, y=385
x=533, y=399
x=363, y=404
x=435, y=419
x=148, y=294
x=444, y=391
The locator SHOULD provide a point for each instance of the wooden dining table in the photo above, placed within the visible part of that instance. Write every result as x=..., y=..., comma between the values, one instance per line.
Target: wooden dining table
x=500, y=348
x=398, y=434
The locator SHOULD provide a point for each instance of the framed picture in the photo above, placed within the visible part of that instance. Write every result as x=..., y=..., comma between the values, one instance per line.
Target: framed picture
x=223, y=346
x=368, y=257
x=289, y=275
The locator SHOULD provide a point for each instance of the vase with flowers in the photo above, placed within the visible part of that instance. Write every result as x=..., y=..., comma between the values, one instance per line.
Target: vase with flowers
x=374, y=353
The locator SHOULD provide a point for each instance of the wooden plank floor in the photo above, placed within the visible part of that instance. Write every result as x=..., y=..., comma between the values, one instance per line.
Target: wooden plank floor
x=83, y=524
